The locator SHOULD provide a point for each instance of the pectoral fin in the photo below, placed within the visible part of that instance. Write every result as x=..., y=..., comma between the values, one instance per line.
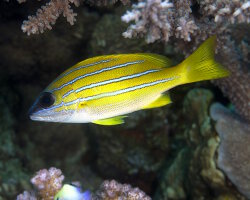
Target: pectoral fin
x=110, y=121
x=163, y=100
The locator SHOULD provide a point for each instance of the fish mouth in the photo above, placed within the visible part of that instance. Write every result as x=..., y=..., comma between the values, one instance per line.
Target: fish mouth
x=37, y=113
x=42, y=115
x=50, y=116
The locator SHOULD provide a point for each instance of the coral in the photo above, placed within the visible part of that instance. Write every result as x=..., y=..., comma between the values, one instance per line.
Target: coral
x=234, y=151
x=106, y=2
x=112, y=190
x=192, y=171
x=236, y=86
x=48, y=182
x=48, y=14
x=27, y=196
x=188, y=20
x=150, y=14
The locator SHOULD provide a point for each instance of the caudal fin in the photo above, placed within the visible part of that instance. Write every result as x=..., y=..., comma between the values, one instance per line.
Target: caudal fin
x=201, y=64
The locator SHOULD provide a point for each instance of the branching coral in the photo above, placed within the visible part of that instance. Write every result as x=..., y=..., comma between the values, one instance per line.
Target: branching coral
x=112, y=190
x=155, y=15
x=158, y=20
x=48, y=184
x=48, y=14
x=106, y=2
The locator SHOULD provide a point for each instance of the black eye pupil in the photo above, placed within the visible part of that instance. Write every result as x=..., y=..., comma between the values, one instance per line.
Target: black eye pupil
x=46, y=100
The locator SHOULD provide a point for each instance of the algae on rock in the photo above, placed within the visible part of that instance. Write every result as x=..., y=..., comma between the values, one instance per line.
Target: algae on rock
x=193, y=171
x=234, y=150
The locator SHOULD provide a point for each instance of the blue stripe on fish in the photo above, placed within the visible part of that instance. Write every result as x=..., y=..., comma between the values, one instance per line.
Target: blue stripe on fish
x=71, y=102
x=68, y=93
x=81, y=67
x=97, y=72
x=108, y=94
x=114, y=80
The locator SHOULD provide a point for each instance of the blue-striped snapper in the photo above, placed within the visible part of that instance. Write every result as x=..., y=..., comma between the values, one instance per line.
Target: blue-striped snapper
x=104, y=89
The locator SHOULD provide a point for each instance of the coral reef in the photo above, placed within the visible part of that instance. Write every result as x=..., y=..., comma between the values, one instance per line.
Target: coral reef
x=234, y=151
x=192, y=172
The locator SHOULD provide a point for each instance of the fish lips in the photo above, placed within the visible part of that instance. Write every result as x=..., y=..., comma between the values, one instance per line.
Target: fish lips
x=38, y=113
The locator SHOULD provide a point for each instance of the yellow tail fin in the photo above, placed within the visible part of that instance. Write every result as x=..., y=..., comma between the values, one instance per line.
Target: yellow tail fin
x=201, y=64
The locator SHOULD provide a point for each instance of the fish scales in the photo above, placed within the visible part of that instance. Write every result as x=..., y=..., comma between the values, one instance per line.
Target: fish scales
x=124, y=77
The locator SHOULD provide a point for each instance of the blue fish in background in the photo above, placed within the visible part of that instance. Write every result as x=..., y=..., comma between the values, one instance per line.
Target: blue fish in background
x=71, y=192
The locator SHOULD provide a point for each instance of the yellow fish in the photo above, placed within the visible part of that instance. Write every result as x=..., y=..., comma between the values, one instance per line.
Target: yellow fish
x=104, y=89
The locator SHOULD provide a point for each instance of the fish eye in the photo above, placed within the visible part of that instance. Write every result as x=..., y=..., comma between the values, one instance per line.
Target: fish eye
x=46, y=100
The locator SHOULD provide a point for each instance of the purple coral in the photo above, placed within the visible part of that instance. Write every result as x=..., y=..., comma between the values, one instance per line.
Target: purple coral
x=48, y=182
x=27, y=196
x=112, y=190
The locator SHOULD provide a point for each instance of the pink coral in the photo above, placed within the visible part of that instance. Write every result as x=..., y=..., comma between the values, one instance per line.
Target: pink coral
x=48, y=182
x=27, y=196
x=48, y=14
x=112, y=190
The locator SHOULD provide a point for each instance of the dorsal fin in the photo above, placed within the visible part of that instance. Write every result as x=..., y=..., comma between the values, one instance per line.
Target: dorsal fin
x=158, y=59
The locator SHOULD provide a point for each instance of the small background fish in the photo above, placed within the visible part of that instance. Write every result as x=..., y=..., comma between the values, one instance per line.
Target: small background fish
x=71, y=192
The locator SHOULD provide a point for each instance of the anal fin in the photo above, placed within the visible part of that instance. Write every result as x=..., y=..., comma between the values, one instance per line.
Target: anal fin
x=163, y=100
x=110, y=121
